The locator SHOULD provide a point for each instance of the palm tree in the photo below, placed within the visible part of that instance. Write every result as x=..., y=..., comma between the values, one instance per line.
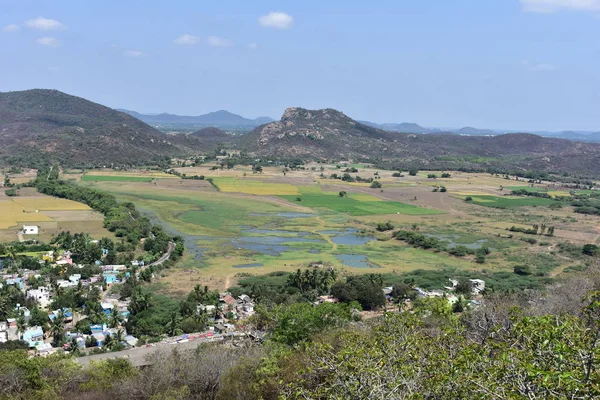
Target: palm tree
x=4, y=307
x=57, y=328
x=173, y=325
x=114, y=318
x=119, y=335
x=73, y=347
x=21, y=325
x=108, y=342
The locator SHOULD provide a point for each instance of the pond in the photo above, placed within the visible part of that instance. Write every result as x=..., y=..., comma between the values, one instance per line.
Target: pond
x=348, y=237
x=253, y=265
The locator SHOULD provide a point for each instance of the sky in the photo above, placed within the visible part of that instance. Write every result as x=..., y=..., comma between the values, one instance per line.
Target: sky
x=501, y=64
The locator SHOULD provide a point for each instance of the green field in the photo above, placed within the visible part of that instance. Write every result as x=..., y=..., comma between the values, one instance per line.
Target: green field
x=116, y=178
x=527, y=188
x=509, y=202
x=355, y=204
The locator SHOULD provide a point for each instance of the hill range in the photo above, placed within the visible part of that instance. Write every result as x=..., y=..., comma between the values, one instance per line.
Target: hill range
x=47, y=125
x=220, y=119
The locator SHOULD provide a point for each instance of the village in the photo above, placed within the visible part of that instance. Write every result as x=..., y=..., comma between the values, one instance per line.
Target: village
x=84, y=332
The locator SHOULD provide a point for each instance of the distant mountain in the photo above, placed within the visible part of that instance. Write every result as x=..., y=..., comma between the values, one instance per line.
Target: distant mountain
x=38, y=126
x=330, y=134
x=474, y=131
x=406, y=127
x=220, y=119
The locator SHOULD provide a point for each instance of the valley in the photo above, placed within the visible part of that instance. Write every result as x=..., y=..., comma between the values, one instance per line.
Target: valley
x=244, y=223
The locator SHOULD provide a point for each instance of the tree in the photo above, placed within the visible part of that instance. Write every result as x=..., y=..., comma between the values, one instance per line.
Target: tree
x=114, y=318
x=343, y=194
x=413, y=171
x=21, y=325
x=172, y=328
x=57, y=329
x=375, y=185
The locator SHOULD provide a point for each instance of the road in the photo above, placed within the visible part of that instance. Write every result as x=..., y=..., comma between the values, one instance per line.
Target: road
x=138, y=356
x=161, y=260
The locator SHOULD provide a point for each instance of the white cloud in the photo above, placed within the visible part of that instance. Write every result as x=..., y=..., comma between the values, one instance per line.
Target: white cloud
x=253, y=46
x=11, y=28
x=219, y=42
x=538, y=67
x=277, y=20
x=48, y=41
x=550, y=6
x=44, y=24
x=133, y=53
x=187, y=39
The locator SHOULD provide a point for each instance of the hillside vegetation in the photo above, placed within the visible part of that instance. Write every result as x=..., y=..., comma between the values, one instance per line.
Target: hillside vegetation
x=326, y=134
x=37, y=126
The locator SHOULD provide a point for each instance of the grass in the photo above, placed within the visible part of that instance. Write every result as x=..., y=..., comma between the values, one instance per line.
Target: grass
x=509, y=202
x=116, y=178
x=358, y=204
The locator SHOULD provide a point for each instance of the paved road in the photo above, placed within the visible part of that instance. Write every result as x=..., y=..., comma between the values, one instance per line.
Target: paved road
x=138, y=355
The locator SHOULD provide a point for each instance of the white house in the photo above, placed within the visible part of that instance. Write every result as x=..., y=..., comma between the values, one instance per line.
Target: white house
x=31, y=230
x=41, y=295
x=477, y=285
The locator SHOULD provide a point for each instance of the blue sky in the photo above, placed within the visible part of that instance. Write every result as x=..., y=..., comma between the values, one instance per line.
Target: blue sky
x=505, y=64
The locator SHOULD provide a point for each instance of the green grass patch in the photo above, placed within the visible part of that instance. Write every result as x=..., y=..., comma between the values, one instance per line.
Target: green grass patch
x=358, y=205
x=509, y=202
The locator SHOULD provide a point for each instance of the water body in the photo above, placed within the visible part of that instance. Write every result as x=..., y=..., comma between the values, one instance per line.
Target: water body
x=264, y=231
x=356, y=261
x=254, y=265
x=348, y=237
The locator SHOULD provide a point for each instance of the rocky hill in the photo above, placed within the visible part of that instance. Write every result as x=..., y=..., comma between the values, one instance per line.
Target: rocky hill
x=329, y=134
x=37, y=126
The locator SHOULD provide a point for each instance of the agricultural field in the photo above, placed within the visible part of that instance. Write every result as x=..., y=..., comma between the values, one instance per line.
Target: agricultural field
x=51, y=214
x=260, y=223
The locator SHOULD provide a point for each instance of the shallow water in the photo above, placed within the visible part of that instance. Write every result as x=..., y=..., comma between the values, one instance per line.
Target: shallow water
x=356, y=261
x=348, y=237
x=253, y=265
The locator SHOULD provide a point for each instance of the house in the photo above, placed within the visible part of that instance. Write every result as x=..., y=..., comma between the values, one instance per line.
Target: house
x=477, y=286
x=41, y=295
x=229, y=300
x=33, y=336
x=107, y=307
x=30, y=230
x=327, y=299
x=75, y=278
x=45, y=349
x=110, y=277
x=131, y=340
x=3, y=331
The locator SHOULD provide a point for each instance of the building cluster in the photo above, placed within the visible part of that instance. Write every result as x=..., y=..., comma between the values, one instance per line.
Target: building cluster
x=42, y=292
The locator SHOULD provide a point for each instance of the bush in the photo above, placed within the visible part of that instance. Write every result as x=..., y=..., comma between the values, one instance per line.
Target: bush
x=376, y=185
x=468, y=199
x=522, y=270
x=413, y=172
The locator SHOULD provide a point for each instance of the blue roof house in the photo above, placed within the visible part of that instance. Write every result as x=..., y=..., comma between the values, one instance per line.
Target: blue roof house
x=33, y=336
